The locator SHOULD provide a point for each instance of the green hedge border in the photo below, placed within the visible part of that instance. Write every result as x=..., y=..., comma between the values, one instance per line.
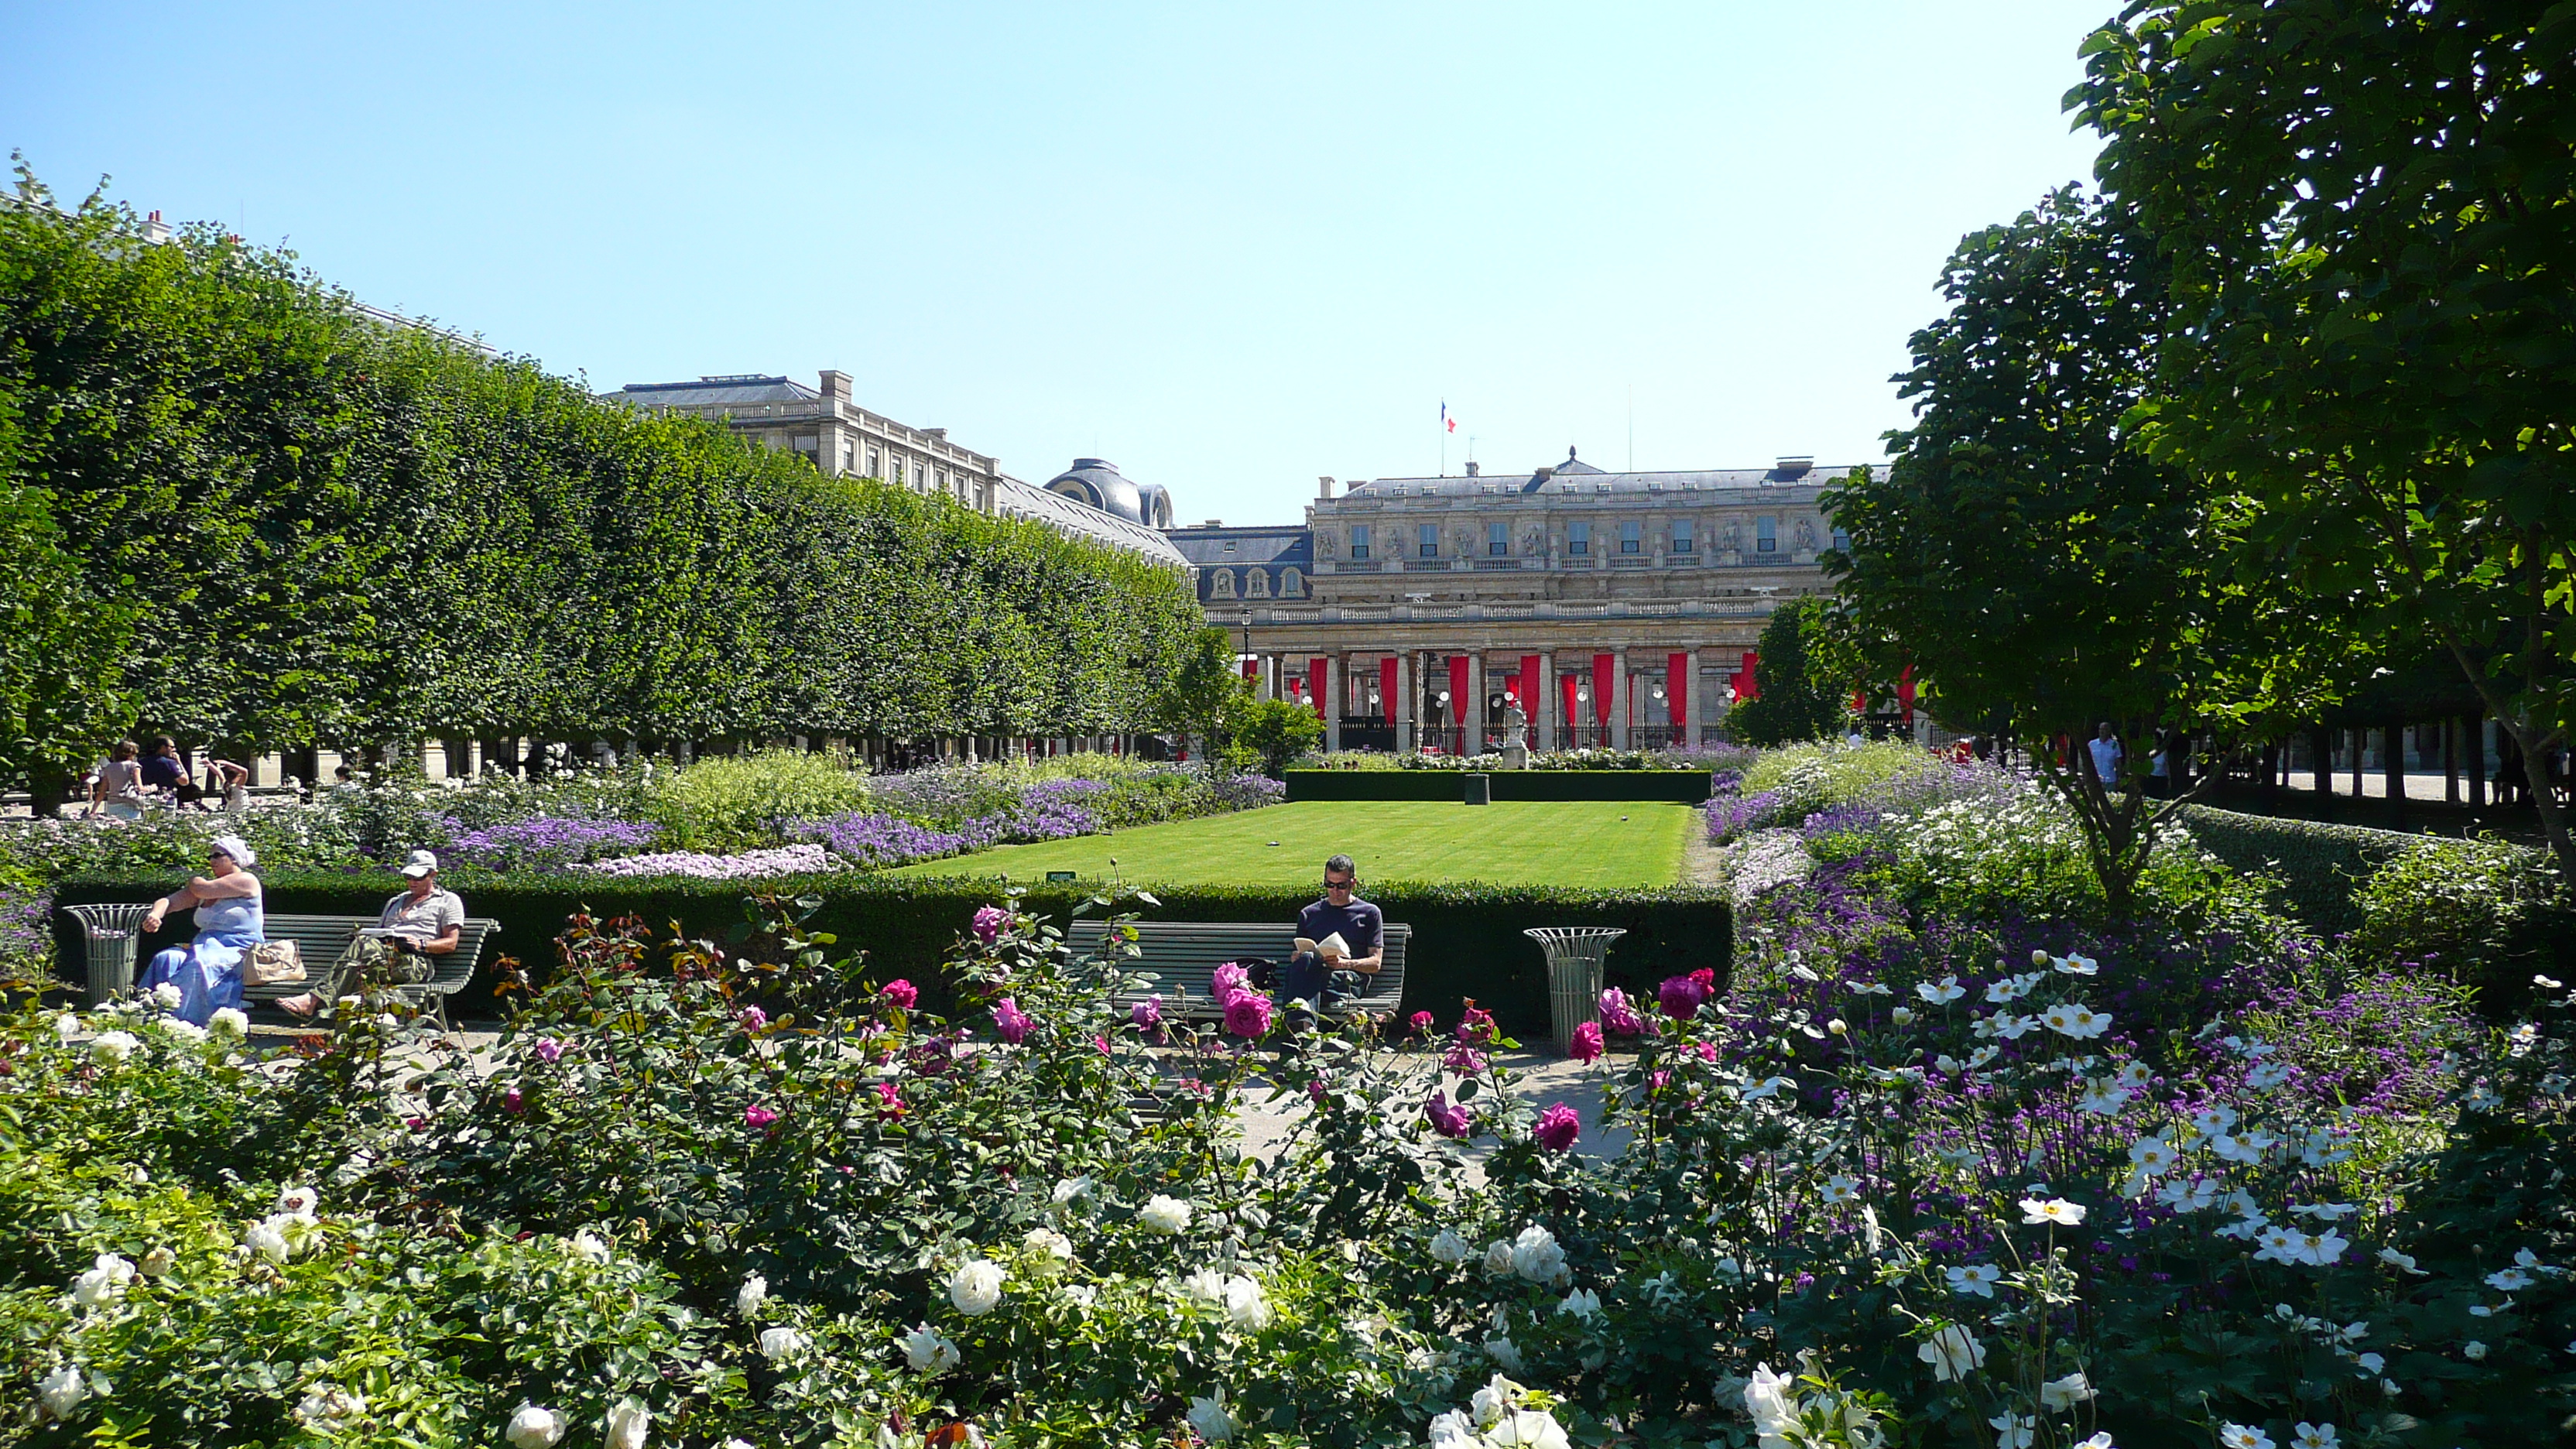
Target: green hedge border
x=1467, y=939
x=1684, y=787
x=2318, y=865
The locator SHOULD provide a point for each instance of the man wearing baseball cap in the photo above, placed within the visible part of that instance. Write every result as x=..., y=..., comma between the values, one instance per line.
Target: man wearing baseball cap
x=424, y=920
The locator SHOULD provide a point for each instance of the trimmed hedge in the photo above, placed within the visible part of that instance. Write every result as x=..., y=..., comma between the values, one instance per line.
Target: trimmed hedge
x=1467, y=939
x=1686, y=787
x=2318, y=865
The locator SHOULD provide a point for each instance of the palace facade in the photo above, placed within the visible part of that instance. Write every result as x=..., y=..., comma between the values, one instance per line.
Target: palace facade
x=1616, y=608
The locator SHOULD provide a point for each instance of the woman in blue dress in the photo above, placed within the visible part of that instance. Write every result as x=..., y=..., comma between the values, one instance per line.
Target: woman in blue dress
x=226, y=898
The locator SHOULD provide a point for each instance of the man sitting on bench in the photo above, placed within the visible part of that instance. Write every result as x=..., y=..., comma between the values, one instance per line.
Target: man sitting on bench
x=425, y=920
x=1359, y=926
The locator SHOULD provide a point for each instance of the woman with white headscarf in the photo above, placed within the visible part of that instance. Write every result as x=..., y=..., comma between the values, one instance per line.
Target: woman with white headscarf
x=207, y=971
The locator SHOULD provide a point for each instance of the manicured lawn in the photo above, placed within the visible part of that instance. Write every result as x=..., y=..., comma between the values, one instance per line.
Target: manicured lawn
x=1586, y=843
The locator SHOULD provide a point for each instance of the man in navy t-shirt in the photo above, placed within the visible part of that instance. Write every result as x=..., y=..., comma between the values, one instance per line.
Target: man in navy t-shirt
x=1341, y=913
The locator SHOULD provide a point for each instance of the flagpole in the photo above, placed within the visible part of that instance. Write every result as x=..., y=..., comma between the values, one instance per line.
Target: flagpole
x=1444, y=439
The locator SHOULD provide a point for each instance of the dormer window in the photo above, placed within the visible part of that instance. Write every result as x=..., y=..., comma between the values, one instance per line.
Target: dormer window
x=1222, y=586
x=1292, y=584
x=1256, y=583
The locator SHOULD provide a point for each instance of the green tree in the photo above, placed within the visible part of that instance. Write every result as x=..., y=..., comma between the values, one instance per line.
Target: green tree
x=1207, y=694
x=1799, y=694
x=1276, y=732
x=2041, y=573
x=2370, y=213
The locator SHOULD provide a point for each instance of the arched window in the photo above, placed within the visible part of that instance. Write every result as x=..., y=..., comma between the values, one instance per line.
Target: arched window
x=1223, y=587
x=1291, y=584
x=1256, y=583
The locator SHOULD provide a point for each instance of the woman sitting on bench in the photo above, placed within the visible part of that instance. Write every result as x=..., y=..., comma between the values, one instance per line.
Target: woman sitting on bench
x=207, y=971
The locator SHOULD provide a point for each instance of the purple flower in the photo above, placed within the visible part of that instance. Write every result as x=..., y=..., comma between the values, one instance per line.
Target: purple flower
x=1422, y=1023
x=1012, y=1023
x=1558, y=1127
x=1618, y=1015
x=753, y=1019
x=1247, y=1015
x=1465, y=1060
x=1147, y=1015
x=988, y=923
x=889, y=1102
x=899, y=994
x=1681, y=997
x=1587, y=1042
x=1227, y=980
x=1449, y=1119
x=548, y=1049
x=512, y=1102
x=757, y=1117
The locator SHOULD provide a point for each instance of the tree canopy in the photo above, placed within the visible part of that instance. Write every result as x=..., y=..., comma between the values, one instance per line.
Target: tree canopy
x=249, y=512
x=1798, y=693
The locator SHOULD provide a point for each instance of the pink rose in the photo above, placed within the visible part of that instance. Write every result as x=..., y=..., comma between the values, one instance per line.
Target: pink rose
x=1422, y=1023
x=1587, y=1042
x=1558, y=1127
x=1227, y=980
x=1247, y=1015
x=1147, y=1015
x=899, y=994
x=1465, y=1060
x=753, y=1018
x=1618, y=1015
x=988, y=922
x=512, y=1102
x=1476, y=1028
x=889, y=1102
x=549, y=1049
x=1449, y=1119
x=757, y=1117
x=1012, y=1023
x=1681, y=996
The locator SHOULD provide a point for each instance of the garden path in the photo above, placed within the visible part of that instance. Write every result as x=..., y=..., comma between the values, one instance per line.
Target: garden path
x=1699, y=858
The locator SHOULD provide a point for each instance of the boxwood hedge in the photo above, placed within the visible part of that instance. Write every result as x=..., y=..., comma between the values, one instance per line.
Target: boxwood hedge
x=1467, y=939
x=2318, y=865
x=1688, y=787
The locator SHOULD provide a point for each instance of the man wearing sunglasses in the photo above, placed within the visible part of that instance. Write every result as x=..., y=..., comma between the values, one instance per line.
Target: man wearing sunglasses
x=1342, y=913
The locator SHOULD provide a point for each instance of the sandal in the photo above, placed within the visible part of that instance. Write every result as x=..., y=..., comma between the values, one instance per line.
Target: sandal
x=302, y=1007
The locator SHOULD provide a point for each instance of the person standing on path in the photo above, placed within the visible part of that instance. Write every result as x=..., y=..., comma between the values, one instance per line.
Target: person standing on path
x=117, y=789
x=2107, y=756
x=1361, y=925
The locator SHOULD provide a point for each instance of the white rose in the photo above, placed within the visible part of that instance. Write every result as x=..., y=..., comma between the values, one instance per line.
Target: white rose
x=187, y=1031
x=299, y=1202
x=266, y=1240
x=1536, y=1256
x=1453, y=1430
x=1167, y=1216
x=1766, y=1398
x=777, y=1344
x=167, y=996
x=66, y=1026
x=1498, y=1257
x=748, y=1298
x=1581, y=1303
x=112, y=1046
x=1207, y=1285
x=1245, y=1307
x=230, y=1021
x=1527, y=1429
x=104, y=1283
x=1498, y=1397
x=975, y=1287
x=62, y=1391
x=928, y=1351
x=587, y=1246
x=533, y=1428
x=1209, y=1418
x=158, y=1262
x=1052, y=1249
x=1505, y=1353
x=628, y=1424
x=1448, y=1247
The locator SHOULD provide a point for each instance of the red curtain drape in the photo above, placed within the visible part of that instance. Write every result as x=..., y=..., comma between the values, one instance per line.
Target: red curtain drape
x=1315, y=686
x=1905, y=692
x=1386, y=685
x=1603, y=668
x=1459, y=712
x=1530, y=685
x=1750, y=683
x=1677, y=683
x=1565, y=686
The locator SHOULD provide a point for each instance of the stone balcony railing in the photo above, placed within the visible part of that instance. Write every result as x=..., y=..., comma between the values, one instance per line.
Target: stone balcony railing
x=1231, y=611
x=1563, y=562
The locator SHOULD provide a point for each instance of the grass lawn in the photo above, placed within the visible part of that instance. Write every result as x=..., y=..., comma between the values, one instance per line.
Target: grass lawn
x=1578, y=843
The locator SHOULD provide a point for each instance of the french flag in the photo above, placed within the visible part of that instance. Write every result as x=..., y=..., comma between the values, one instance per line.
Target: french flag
x=1447, y=421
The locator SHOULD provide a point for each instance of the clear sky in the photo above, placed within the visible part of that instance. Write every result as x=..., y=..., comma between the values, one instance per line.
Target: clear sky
x=1230, y=248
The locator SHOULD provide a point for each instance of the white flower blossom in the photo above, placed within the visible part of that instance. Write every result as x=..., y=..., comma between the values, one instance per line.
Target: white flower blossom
x=167, y=996
x=329, y=1409
x=66, y=1026
x=2510, y=1280
x=748, y=1298
x=268, y=1241
x=533, y=1428
x=1245, y=1306
x=1453, y=1430
x=2473, y=1350
x=1942, y=995
x=104, y=1282
x=1953, y=1352
x=1581, y=1303
x=928, y=1351
x=2065, y=1393
x=2238, y=1436
x=2075, y=1019
x=2102, y=1098
x=1208, y=1416
x=1448, y=1247
x=2014, y=1431
x=1842, y=1189
x=2055, y=1210
x=1505, y=1353
x=1536, y=1256
x=976, y=1287
x=586, y=1245
x=230, y=1022
x=1976, y=1280
x=2314, y=1436
x=1498, y=1257
x=1164, y=1216
x=1768, y=1400
x=61, y=1391
x=2402, y=1262
x=629, y=1422
x=113, y=1047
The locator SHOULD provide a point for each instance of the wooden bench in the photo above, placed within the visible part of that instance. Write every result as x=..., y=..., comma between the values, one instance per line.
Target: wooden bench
x=1182, y=957
x=321, y=939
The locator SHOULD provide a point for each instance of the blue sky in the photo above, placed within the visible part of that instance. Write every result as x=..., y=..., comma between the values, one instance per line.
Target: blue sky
x=1230, y=248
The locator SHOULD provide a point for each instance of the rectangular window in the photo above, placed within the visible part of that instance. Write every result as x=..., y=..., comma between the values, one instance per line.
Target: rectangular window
x=1578, y=538
x=1429, y=536
x=875, y=462
x=1359, y=540
x=1766, y=535
x=1498, y=539
x=1632, y=537
x=1684, y=541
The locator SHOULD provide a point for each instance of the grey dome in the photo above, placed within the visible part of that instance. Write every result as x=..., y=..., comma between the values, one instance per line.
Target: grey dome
x=1097, y=481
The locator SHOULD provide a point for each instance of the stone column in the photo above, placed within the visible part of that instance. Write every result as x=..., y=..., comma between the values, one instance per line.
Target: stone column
x=1470, y=712
x=1331, y=703
x=1404, y=710
x=1549, y=707
x=1691, y=715
x=1619, y=693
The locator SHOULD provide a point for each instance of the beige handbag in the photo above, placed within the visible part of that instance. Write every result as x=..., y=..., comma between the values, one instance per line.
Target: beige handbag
x=272, y=963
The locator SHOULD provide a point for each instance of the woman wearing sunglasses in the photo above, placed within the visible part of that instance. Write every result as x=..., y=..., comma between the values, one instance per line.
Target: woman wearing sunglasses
x=207, y=971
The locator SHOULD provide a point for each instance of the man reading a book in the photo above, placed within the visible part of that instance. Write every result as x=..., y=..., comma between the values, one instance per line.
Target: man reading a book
x=1341, y=932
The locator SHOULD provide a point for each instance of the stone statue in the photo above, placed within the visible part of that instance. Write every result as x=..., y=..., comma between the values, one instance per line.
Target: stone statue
x=1515, y=736
x=1533, y=543
x=1327, y=544
x=1806, y=535
x=1734, y=536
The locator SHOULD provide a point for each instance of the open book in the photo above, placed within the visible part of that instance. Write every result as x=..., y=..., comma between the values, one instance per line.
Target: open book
x=1331, y=948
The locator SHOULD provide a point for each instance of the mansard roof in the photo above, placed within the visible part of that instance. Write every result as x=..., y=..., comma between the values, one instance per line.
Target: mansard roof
x=726, y=392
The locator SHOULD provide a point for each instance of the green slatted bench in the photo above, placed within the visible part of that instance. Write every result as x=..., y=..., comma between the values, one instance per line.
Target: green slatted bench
x=1182, y=957
x=321, y=939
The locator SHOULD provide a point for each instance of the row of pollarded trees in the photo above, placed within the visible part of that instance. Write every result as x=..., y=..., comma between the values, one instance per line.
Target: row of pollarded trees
x=236, y=509
x=2280, y=408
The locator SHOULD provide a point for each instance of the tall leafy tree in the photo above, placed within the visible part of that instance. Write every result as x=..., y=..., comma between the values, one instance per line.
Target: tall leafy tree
x=2369, y=208
x=1800, y=693
x=2040, y=572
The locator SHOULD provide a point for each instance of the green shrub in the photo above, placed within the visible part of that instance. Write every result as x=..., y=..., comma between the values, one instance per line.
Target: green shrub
x=1467, y=939
x=738, y=802
x=2485, y=912
x=2316, y=866
x=1836, y=774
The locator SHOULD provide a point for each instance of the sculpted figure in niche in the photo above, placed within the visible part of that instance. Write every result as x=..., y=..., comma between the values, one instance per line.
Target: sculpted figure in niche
x=1806, y=536
x=1462, y=543
x=1533, y=543
x=1734, y=535
x=1331, y=546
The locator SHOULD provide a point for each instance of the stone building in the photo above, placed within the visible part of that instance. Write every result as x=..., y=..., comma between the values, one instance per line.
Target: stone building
x=840, y=438
x=1616, y=608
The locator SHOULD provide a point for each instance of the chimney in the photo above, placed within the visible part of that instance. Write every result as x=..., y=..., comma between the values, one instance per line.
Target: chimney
x=1324, y=488
x=1471, y=468
x=836, y=386
x=155, y=229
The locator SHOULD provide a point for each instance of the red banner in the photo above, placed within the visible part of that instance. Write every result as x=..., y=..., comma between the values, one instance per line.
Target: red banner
x=1677, y=686
x=1459, y=710
x=1905, y=693
x=1604, y=666
x=1386, y=685
x=1317, y=686
x=1531, y=684
x=1565, y=686
x=1749, y=684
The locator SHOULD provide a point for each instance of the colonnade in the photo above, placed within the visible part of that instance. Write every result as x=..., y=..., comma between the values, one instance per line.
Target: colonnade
x=1621, y=697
